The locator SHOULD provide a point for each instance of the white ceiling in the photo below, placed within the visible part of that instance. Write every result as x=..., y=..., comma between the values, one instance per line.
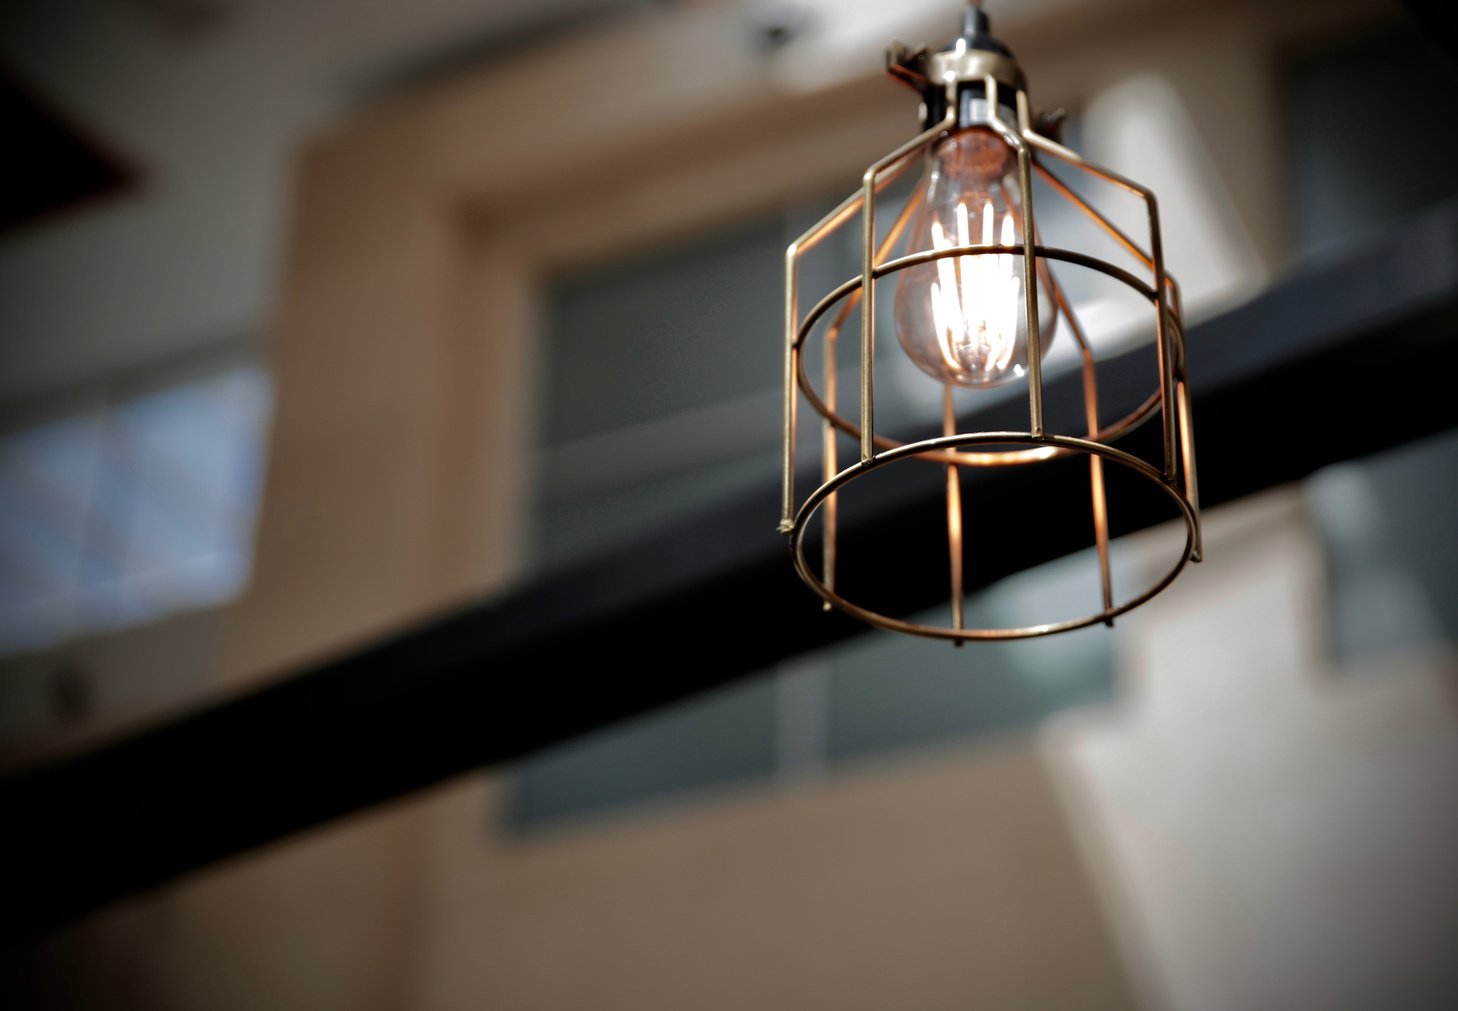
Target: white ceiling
x=212, y=114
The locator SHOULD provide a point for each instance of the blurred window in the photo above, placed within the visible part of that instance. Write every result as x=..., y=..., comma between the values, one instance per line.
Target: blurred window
x=1387, y=524
x=1361, y=149
x=132, y=505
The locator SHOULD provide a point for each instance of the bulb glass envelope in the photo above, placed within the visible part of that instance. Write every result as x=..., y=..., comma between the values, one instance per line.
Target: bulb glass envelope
x=995, y=100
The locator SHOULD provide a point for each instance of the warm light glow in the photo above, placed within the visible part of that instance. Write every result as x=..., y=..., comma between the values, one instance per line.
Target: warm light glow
x=963, y=319
x=976, y=299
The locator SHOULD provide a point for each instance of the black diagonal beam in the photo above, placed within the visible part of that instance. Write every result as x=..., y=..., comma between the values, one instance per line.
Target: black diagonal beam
x=1348, y=358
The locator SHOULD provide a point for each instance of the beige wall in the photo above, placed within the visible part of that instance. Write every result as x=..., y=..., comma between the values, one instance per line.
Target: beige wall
x=1268, y=828
x=946, y=882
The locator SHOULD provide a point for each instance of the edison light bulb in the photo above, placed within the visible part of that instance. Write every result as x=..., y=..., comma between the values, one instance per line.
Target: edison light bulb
x=962, y=318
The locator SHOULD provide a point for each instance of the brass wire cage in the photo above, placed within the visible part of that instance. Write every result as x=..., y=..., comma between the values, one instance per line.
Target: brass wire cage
x=1174, y=474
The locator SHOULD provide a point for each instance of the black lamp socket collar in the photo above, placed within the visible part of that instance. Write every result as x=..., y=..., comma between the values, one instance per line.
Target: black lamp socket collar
x=977, y=33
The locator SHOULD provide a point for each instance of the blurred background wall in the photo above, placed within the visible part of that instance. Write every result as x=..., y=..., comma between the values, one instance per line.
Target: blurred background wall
x=370, y=310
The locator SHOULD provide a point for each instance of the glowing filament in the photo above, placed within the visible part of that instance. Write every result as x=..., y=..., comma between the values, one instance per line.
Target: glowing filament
x=975, y=299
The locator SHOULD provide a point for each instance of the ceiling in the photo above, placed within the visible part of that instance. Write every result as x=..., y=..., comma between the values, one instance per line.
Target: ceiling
x=205, y=104
x=206, y=101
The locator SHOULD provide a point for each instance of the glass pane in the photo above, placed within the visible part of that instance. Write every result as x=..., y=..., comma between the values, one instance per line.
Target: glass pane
x=131, y=507
x=723, y=738
x=893, y=691
x=1388, y=527
x=1344, y=176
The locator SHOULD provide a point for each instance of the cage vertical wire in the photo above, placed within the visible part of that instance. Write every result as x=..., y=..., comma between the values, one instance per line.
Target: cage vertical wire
x=1173, y=473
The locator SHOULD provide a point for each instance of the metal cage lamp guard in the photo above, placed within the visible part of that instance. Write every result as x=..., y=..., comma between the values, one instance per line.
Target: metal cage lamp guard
x=974, y=95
